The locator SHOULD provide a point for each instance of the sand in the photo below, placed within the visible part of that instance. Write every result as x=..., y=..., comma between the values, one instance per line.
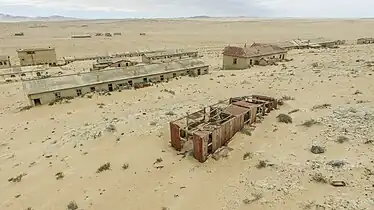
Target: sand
x=73, y=138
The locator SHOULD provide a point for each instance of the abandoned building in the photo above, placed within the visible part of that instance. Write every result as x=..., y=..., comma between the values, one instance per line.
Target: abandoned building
x=112, y=63
x=117, y=34
x=48, y=90
x=256, y=54
x=214, y=126
x=287, y=45
x=21, y=73
x=168, y=55
x=5, y=62
x=81, y=36
x=19, y=34
x=37, y=56
x=365, y=41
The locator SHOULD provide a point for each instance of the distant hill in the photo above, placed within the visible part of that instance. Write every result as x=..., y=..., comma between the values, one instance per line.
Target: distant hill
x=201, y=16
x=11, y=18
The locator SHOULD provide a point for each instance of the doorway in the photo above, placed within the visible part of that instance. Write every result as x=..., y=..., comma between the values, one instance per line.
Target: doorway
x=37, y=102
x=110, y=87
x=198, y=72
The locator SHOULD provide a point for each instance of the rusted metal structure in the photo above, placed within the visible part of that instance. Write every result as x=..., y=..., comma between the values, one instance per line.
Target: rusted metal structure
x=214, y=126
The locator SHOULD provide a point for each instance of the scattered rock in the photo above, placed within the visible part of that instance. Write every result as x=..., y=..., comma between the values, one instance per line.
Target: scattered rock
x=284, y=118
x=317, y=149
x=336, y=183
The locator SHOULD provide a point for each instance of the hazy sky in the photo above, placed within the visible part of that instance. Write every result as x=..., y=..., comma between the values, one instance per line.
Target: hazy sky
x=183, y=8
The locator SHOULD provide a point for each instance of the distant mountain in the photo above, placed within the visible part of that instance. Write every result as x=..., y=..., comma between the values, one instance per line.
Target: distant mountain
x=201, y=17
x=11, y=18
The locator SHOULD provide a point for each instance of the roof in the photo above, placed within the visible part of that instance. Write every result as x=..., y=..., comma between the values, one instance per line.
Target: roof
x=4, y=58
x=168, y=52
x=285, y=44
x=366, y=38
x=111, y=60
x=320, y=40
x=36, y=49
x=99, y=77
x=236, y=110
x=255, y=50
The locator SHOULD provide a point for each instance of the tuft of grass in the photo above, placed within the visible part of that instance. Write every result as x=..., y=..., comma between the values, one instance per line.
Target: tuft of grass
x=247, y=155
x=319, y=178
x=309, y=123
x=111, y=128
x=321, y=106
x=284, y=118
x=261, y=164
x=72, y=205
x=342, y=139
x=125, y=166
x=59, y=175
x=170, y=113
x=104, y=167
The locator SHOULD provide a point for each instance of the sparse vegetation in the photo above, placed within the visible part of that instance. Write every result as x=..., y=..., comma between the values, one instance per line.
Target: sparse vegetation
x=261, y=164
x=169, y=91
x=170, y=113
x=247, y=155
x=342, y=139
x=319, y=178
x=309, y=123
x=125, y=166
x=256, y=197
x=17, y=178
x=321, y=106
x=72, y=206
x=315, y=65
x=59, y=175
x=158, y=160
x=284, y=118
x=104, y=167
x=293, y=111
x=111, y=128
x=287, y=98
x=317, y=149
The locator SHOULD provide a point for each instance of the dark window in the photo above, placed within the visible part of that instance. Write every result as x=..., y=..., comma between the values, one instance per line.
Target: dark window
x=198, y=72
x=22, y=75
x=110, y=87
x=79, y=92
x=92, y=89
x=5, y=63
x=58, y=95
x=250, y=62
x=37, y=73
x=130, y=82
x=145, y=79
x=174, y=74
x=37, y=102
x=31, y=52
x=162, y=78
x=12, y=75
x=1, y=63
x=127, y=64
x=235, y=61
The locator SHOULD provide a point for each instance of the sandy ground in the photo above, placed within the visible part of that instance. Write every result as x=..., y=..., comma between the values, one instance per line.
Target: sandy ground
x=73, y=138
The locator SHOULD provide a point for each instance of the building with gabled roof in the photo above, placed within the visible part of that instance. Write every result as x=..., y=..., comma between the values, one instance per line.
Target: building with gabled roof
x=5, y=62
x=168, y=55
x=44, y=91
x=244, y=57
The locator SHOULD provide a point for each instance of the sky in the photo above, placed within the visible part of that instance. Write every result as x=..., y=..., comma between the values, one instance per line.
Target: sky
x=101, y=9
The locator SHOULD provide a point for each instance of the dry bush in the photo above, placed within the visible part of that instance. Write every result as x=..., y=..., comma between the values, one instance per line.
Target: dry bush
x=104, y=167
x=169, y=91
x=319, y=178
x=309, y=123
x=284, y=118
x=17, y=178
x=72, y=205
x=321, y=106
x=315, y=65
x=125, y=166
x=170, y=113
x=111, y=128
x=158, y=160
x=293, y=111
x=247, y=155
x=256, y=197
x=59, y=175
x=342, y=139
x=261, y=164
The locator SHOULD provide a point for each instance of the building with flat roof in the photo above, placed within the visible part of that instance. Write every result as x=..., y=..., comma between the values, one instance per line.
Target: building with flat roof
x=112, y=63
x=168, y=55
x=48, y=90
x=37, y=56
x=5, y=62
x=23, y=73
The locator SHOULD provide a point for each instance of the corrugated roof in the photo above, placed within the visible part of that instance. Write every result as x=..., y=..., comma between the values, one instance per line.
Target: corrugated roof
x=255, y=50
x=98, y=77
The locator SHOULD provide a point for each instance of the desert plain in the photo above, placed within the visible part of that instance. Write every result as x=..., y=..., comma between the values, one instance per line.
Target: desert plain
x=58, y=149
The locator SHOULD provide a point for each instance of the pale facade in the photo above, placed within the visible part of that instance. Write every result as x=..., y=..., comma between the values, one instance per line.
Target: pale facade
x=365, y=41
x=257, y=54
x=48, y=90
x=5, y=62
x=37, y=56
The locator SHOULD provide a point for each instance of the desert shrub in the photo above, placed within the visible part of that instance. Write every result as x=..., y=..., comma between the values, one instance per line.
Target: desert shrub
x=309, y=123
x=287, y=98
x=342, y=139
x=170, y=113
x=104, y=167
x=125, y=166
x=247, y=155
x=111, y=128
x=284, y=118
x=72, y=205
x=261, y=164
x=321, y=106
x=319, y=178
x=59, y=175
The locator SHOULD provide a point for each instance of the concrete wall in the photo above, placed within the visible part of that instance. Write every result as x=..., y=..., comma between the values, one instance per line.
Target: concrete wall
x=37, y=57
x=365, y=41
x=48, y=97
x=22, y=75
x=171, y=57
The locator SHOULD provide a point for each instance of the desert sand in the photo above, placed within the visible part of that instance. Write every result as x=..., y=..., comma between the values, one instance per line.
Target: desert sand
x=334, y=87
